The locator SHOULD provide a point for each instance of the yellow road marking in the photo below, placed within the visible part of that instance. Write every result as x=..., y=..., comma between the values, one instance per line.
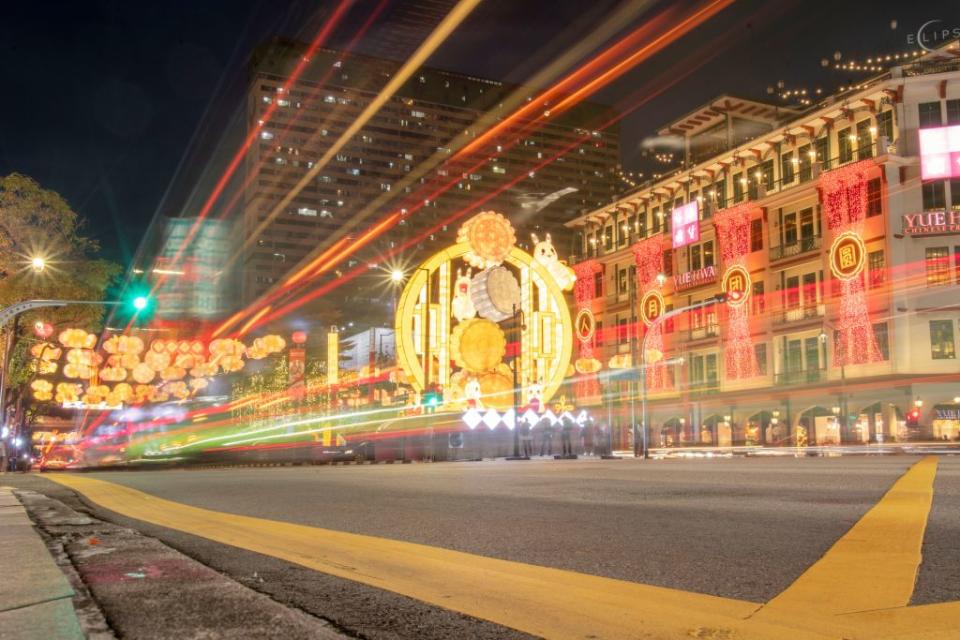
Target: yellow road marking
x=874, y=565
x=546, y=602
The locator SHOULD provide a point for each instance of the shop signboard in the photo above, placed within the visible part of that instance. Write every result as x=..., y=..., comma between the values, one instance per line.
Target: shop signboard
x=931, y=223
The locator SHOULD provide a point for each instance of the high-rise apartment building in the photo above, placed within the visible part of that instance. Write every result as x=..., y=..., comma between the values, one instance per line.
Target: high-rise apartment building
x=397, y=162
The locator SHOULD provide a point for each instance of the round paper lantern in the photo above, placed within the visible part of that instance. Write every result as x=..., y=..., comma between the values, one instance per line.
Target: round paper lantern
x=477, y=345
x=123, y=391
x=113, y=374
x=157, y=361
x=299, y=337
x=144, y=373
x=490, y=237
x=172, y=373
x=495, y=293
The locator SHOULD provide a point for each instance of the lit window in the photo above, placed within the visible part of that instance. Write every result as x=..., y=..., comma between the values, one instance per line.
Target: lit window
x=306, y=211
x=266, y=135
x=418, y=114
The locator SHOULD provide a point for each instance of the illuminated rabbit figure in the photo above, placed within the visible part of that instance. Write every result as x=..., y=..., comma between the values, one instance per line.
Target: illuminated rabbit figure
x=462, y=304
x=546, y=254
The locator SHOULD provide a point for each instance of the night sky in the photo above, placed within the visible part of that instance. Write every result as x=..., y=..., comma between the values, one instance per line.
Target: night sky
x=113, y=103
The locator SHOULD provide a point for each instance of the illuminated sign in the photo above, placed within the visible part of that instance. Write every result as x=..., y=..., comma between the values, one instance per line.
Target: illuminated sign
x=686, y=224
x=847, y=255
x=940, y=152
x=736, y=284
x=585, y=324
x=695, y=278
x=651, y=307
x=931, y=223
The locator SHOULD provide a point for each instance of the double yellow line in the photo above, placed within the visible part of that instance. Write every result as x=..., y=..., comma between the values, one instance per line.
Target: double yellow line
x=859, y=589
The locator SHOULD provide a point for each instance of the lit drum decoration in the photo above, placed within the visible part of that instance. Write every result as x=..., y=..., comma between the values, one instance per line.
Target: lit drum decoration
x=495, y=293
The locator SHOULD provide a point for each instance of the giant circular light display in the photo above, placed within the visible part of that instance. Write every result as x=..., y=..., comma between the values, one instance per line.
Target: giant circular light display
x=736, y=284
x=544, y=329
x=651, y=307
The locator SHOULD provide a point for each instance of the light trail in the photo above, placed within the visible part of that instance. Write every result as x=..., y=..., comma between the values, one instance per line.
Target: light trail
x=453, y=19
x=645, y=31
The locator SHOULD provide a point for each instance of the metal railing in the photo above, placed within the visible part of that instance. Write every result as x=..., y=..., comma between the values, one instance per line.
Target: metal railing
x=803, y=376
x=803, y=245
x=797, y=314
x=702, y=333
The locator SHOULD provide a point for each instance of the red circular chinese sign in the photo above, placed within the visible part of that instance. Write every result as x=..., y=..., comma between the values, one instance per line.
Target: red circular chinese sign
x=736, y=284
x=651, y=307
x=585, y=325
x=847, y=255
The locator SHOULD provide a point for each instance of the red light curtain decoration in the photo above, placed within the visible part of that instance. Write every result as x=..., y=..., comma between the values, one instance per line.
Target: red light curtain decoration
x=843, y=192
x=733, y=236
x=588, y=386
x=648, y=254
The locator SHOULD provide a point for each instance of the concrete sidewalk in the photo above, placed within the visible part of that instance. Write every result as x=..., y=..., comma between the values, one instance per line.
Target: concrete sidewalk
x=35, y=596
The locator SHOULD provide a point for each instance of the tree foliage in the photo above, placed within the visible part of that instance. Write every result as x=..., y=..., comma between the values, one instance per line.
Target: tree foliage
x=38, y=222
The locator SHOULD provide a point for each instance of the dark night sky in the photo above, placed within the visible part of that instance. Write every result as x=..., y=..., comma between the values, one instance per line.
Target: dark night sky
x=105, y=99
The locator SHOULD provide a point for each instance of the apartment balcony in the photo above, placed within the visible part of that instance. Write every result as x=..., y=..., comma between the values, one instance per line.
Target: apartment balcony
x=803, y=245
x=703, y=387
x=802, y=376
x=799, y=314
x=704, y=333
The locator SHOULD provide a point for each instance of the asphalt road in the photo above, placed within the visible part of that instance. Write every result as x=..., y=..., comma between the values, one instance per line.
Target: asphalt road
x=737, y=528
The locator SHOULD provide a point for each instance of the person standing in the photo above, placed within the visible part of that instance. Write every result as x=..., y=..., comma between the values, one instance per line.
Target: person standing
x=587, y=437
x=526, y=439
x=566, y=437
x=546, y=439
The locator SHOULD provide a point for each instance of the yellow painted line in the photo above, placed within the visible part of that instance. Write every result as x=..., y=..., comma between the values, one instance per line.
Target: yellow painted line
x=550, y=603
x=929, y=622
x=874, y=565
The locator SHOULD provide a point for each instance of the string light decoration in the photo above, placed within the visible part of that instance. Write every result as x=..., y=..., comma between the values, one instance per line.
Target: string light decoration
x=583, y=292
x=844, y=197
x=733, y=236
x=648, y=256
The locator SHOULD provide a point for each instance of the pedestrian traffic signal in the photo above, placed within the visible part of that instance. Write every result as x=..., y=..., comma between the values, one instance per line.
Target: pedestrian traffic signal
x=913, y=417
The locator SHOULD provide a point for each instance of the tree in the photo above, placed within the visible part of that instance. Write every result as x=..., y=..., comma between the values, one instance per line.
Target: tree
x=38, y=222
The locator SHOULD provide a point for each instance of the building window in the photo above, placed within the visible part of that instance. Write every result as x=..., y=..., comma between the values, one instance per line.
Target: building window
x=708, y=259
x=941, y=340
x=757, y=301
x=953, y=111
x=934, y=198
x=883, y=339
x=656, y=218
x=720, y=193
x=598, y=284
x=598, y=334
x=787, y=168
x=938, y=266
x=930, y=114
x=756, y=235
x=621, y=281
x=760, y=353
x=805, y=162
x=885, y=126
x=622, y=336
x=864, y=140
x=955, y=194
x=845, y=145
x=875, y=268
x=608, y=239
x=738, y=184
x=821, y=147
x=874, y=201
x=668, y=262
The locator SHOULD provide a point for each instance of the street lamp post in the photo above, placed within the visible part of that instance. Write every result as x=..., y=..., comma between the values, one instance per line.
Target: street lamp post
x=643, y=355
x=843, y=381
x=519, y=323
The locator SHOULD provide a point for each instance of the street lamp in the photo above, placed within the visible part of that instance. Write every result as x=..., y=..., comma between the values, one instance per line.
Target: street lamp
x=643, y=355
x=520, y=324
x=38, y=264
x=396, y=275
